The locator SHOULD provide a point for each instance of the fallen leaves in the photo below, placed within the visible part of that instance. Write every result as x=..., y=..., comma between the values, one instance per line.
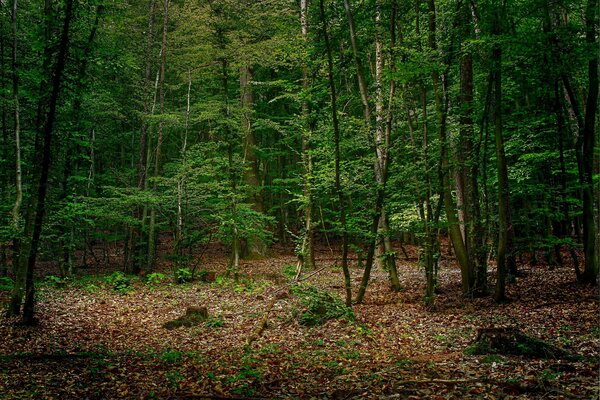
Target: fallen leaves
x=104, y=344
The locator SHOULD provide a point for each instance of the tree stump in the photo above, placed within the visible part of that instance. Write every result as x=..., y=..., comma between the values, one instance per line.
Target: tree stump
x=193, y=316
x=510, y=340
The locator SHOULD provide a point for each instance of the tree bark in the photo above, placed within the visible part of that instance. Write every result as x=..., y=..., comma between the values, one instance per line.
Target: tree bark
x=590, y=273
x=306, y=253
x=503, y=192
x=255, y=247
x=336, y=134
x=152, y=234
x=473, y=229
x=28, y=308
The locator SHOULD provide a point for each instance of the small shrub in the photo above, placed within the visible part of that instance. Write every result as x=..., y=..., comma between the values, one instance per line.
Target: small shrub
x=56, y=280
x=6, y=283
x=171, y=356
x=214, y=322
x=289, y=271
x=90, y=287
x=320, y=306
x=155, y=278
x=183, y=275
x=119, y=282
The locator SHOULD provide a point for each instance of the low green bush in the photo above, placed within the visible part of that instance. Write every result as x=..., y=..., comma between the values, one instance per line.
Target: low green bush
x=320, y=306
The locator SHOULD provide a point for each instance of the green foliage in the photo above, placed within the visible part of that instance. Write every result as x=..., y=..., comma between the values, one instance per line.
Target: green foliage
x=289, y=271
x=480, y=347
x=171, y=357
x=155, y=278
x=214, y=322
x=183, y=275
x=6, y=283
x=493, y=358
x=56, y=281
x=119, y=282
x=320, y=306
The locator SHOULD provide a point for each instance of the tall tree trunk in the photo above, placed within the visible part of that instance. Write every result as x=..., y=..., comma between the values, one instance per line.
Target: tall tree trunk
x=503, y=192
x=382, y=143
x=306, y=255
x=21, y=248
x=590, y=274
x=5, y=177
x=152, y=234
x=255, y=247
x=441, y=101
x=136, y=237
x=28, y=308
x=66, y=231
x=336, y=134
x=467, y=182
x=182, y=180
x=381, y=151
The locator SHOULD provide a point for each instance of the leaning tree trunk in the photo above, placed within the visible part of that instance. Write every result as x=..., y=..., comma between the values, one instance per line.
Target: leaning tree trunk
x=441, y=101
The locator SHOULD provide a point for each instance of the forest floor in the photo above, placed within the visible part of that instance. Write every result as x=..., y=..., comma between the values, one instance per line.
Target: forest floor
x=95, y=342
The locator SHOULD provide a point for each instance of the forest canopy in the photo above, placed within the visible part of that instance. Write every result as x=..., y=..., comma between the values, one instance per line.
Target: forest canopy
x=363, y=124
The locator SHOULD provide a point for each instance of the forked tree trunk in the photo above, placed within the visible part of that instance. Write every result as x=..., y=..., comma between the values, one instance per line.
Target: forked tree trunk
x=381, y=149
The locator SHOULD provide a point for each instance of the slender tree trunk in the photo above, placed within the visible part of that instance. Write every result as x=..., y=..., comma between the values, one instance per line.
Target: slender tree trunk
x=381, y=144
x=441, y=101
x=136, y=237
x=590, y=273
x=28, y=308
x=362, y=86
x=181, y=182
x=473, y=231
x=5, y=175
x=336, y=134
x=255, y=247
x=67, y=234
x=503, y=192
x=152, y=234
x=306, y=254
